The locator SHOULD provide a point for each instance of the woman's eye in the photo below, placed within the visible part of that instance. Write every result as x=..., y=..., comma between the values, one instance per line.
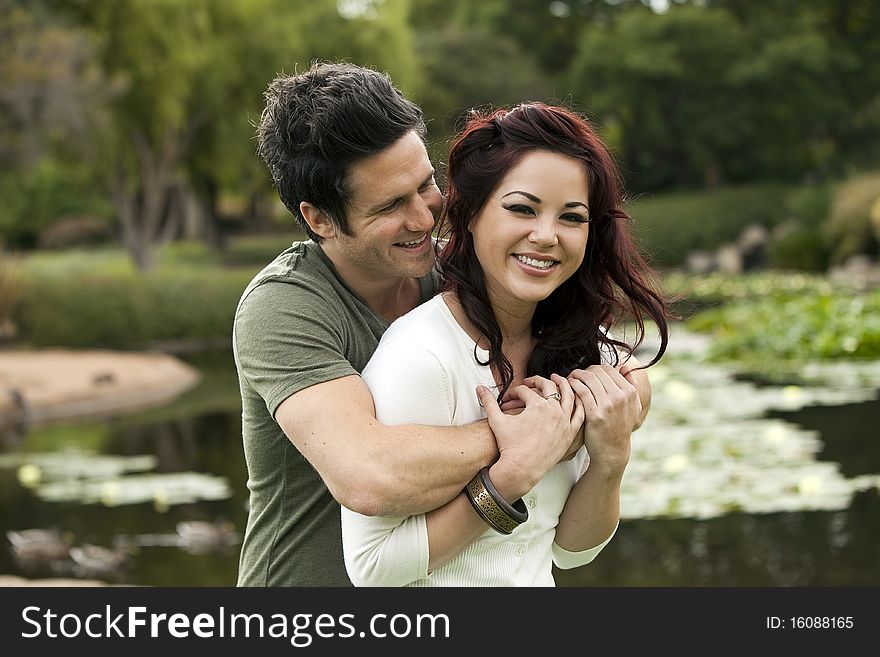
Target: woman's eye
x=575, y=218
x=520, y=209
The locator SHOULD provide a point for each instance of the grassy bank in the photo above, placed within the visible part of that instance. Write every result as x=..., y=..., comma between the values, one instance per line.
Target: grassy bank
x=97, y=299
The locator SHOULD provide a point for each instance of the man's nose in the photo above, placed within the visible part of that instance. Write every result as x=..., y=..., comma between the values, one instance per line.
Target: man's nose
x=426, y=211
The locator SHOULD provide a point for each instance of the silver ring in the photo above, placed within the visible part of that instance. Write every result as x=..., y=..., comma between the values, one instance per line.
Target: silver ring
x=554, y=395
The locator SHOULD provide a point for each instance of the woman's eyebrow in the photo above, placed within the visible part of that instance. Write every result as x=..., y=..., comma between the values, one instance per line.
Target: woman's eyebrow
x=531, y=197
x=535, y=199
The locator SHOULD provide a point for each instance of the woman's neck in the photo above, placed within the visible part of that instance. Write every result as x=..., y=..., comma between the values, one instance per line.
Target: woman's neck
x=517, y=341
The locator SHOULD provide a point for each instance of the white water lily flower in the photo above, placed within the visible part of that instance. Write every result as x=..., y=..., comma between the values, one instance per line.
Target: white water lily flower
x=675, y=463
x=29, y=475
x=810, y=485
x=679, y=391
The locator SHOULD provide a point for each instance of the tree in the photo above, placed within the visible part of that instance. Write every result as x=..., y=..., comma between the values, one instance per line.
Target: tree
x=53, y=101
x=279, y=36
x=702, y=95
x=664, y=81
x=544, y=31
x=821, y=61
x=468, y=68
x=195, y=75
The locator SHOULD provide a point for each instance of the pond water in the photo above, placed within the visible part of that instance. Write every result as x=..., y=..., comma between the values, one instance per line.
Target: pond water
x=733, y=482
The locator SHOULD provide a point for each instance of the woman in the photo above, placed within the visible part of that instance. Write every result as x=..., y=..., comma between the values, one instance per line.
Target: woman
x=538, y=262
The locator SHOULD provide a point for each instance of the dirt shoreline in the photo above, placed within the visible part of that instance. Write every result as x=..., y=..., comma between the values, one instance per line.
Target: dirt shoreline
x=48, y=385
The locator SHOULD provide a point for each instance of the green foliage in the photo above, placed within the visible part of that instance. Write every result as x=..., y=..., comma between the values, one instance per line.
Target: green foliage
x=849, y=230
x=720, y=288
x=53, y=93
x=809, y=205
x=10, y=288
x=815, y=326
x=155, y=99
x=34, y=200
x=72, y=263
x=255, y=41
x=187, y=254
x=109, y=307
x=469, y=67
x=666, y=80
x=800, y=249
x=778, y=316
x=825, y=80
x=672, y=225
x=96, y=298
x=258, y=250
x=800, y=244
x=693, y=110
x=544, y=32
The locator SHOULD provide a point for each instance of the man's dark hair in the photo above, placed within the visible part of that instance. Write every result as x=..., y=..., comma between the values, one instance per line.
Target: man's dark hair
x=316, y=124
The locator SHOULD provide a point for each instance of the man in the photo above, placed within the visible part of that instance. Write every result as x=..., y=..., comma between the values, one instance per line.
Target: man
x=346, y=152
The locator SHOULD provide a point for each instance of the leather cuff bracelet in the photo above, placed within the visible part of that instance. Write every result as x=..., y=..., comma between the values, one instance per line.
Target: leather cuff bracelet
x=498, y=513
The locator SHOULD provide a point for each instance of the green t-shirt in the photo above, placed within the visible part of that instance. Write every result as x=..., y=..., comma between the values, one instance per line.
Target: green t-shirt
x=297, y=324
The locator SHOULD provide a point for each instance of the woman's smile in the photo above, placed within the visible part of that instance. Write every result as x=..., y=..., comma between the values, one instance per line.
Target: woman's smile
x=531, y=235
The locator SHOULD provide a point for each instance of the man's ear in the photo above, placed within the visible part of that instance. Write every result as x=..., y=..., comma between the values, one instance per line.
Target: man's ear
x=317, y=220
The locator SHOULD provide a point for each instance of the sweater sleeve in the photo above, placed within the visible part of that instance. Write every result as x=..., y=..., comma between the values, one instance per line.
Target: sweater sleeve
x=565, y=559
x=409, y=385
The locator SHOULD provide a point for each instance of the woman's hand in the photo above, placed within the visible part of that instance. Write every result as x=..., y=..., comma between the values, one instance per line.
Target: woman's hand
x=612, y=408
x=513, y=405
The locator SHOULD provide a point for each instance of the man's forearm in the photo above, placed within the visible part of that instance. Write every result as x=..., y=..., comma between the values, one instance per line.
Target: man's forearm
x=375, y=468
x=417, y=468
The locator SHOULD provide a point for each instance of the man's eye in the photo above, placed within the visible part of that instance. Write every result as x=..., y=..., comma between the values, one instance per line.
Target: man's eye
x=391, y=206
x=520, y=209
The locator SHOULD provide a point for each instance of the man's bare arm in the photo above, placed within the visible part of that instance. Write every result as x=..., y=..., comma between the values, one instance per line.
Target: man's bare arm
x=376, y=469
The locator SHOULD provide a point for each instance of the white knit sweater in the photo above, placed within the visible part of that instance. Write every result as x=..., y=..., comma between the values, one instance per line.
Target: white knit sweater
x=424, y=372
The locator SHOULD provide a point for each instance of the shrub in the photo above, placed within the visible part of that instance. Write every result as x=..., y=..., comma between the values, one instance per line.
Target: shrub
x=848, y=230
x=801, y=248
x=10, y=292
x=126, y=310
x=673, y=225
x=258, y=250
x=188, y=253
x=34, y=201
x=75, y=231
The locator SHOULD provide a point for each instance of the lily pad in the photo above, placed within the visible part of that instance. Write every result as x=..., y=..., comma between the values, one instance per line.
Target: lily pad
x=161, y=489
x=88, y=478
x=707, y=447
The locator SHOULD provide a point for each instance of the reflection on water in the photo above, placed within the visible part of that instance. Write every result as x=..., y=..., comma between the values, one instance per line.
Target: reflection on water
x=206, y=444
x=200, y=433
x=809, y=548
